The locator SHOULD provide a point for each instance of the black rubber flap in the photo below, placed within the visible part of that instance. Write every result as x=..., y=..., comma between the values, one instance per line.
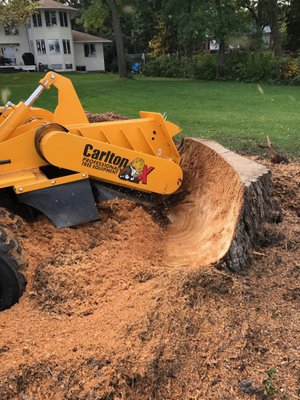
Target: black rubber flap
x=65, y=205
x=103, y=193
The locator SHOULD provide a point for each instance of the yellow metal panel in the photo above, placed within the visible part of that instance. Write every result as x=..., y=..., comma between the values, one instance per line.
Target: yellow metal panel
x=101, y=136
x=162, y=139
x=173, y=129
x=10, y=179
x=32, y=125
x=17, y=117
x=142, y=143
x=40, y=113
x=69, y=107
x=111, y=163
x=152, y=128
x=126, y=142
x=42, y=182
x=22, y=153
x=31, y=117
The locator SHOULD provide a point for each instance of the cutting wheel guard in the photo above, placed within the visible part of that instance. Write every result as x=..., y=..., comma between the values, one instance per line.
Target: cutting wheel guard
x=65, y=205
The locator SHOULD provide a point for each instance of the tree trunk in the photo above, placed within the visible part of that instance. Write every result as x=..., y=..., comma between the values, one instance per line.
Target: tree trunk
x=221, y=213
x=189, y=51
x=222, y=46
x=119, y=38
x=259, y=211
x=292, y=26
x=221, y=59
x=275, y=32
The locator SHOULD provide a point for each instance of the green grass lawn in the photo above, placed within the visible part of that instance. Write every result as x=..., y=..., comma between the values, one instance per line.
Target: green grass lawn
x=238, y=115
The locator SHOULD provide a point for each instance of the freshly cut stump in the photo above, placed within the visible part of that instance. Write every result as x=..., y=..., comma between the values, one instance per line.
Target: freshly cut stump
x=222, y=214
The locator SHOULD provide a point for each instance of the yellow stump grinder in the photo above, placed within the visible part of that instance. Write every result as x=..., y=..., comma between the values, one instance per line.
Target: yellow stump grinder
x=61, y=165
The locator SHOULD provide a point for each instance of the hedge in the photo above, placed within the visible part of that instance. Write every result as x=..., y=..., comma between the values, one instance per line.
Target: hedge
x=239, y=66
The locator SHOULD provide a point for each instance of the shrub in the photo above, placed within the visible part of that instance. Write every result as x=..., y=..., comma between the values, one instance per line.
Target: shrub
x=241, y=66
x=251, y=66
x=205, y=67
x=261, y=66
x=169, y=66
x=235, y=66
x=289, y=69
x=296, y=80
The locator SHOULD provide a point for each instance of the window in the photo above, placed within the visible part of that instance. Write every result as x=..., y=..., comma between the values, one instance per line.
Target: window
x=56, y=66
x=63, y=17
x=69, y=66
x=37, y=19
x=11, y=30
x=66, y=46
x=54, y=47
x=50, y=18
x=90, y=50
x=40, y=46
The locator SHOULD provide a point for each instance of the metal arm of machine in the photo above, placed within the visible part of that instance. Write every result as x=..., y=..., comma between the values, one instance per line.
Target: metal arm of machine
x=68, y=106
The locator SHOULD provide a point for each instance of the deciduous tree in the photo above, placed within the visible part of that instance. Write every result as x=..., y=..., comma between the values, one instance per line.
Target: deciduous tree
x=189, y=21
x=226, y=20
x=268, y=12
x=112, y=5
x=96, y=18
x=292, y=25
x=14, y=11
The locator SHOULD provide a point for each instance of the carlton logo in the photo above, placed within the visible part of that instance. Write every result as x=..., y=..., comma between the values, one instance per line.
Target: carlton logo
x=136, y=171
x=104, y=156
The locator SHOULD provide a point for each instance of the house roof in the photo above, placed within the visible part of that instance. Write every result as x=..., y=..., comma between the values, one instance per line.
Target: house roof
x=82, y=37
x=52, y=4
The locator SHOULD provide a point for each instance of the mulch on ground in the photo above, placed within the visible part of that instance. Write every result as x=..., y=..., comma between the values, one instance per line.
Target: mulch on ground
x=103, y=317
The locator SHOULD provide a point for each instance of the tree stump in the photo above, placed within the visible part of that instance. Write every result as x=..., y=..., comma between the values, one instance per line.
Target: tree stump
x=226, y=199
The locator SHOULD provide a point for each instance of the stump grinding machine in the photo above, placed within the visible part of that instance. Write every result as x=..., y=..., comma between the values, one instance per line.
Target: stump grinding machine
x=61, y=165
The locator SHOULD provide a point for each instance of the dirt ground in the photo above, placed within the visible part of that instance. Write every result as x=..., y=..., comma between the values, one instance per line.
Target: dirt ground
x=104, y=318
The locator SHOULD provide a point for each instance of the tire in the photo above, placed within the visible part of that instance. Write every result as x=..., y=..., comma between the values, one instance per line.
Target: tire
x=12, y=262
x=10, y=220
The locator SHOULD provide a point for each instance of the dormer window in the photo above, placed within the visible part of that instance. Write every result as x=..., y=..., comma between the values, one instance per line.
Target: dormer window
x=11, y=30
x=50, y=17
x=63, y=17
x=37, y=19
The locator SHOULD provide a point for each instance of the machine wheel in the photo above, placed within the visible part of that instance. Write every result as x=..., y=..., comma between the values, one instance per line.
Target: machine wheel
x=11, y=221
x=12, y=262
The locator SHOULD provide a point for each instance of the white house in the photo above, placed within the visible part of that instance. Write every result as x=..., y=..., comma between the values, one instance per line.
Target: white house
x=48, y=41
x=213, y=46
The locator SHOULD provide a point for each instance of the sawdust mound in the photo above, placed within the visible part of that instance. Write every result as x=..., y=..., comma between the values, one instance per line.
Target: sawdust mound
x=76, y=277
x=108, y=116
x=105, y=317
